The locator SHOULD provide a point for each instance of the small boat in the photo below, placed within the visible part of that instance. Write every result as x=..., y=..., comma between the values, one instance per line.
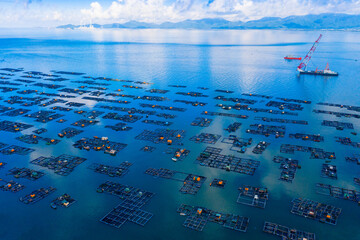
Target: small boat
x=291, y=57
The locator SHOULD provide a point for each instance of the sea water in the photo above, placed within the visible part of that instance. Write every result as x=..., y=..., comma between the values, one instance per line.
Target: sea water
x=248, y=61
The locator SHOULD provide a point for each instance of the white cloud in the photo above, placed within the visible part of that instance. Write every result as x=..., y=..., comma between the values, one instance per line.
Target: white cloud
x=47, y=13
x=157, y=11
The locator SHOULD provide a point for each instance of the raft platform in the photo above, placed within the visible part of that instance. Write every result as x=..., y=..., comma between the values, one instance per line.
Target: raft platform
x=266, y=130
x=197, y=218
x=84, y=123
x=233, y=127
x=40, y=131
x=148, y=148
x=111, y=171
x=211, y=157
x=238, y=144
x=287, y=233
x=285, y=105
x=62, y=165
x=253, y=196
x=347, y=141
x=307, y=137
x=37, y=195
x=64, y=200
x=13, y=149
x=288, y=168
x=337, y=125
x=338, y=192
x=119, y=127
x=179, y=154
x=329, y=171
x=160, y=135
x=100, y=144
x=201, y=122
x=224, y=114
x=27, y=173
x=11, y=186
x=193, y=103
x=208, y=138
x=316, y=153
x=315, y=210
x=161, y=107
x=260, y=147
x=354, y=159
x=235, y=100
x=256, y=95
x=281, y=120
x=192, y=94
x=9, y=126
x=337, y=114
x=34, y=139
x=158, y=123
x=191, y=183
x=69, y=132
x=219, y=183
x=130, y=207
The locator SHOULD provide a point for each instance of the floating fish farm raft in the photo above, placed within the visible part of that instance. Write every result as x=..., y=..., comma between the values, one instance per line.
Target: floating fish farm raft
x=208, y=138
x=179, y=154
x=37, y=195
x=267, y=130
x=64, y=200
x=315, y=210
x=237, y=144
x=354, y=159
x=191, y=183
x=171, y=137
x=100, y=144
x=119, y=127
x=13, y=149
x=219, y=183
x=36, y=106
x=10, y=186
x=260, y=147
x=25, y=173
x=281, y=120
x=316, y=153
x=233, y=127
x=198, y=217
x=347, y=141
x=69, y=132
x=148, y=148
x=287, y=232
x=338, y=192
x=288, y=168
x=201, y=122
x=307, y=137
x=211, y=157
x=62, y=165
x=253, y=196
x=338, y=125
x=224, y=114
x=111, y=171
x=329, y=171
x=133, y=199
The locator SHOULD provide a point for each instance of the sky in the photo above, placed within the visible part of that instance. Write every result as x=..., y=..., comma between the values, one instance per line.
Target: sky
x=52, y=13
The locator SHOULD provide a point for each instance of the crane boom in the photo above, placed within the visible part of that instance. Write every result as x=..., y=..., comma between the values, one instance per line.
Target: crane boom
x=306, y=60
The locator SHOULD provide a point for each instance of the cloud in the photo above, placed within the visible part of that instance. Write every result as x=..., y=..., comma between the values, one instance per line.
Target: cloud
x=27, y=2
x=56, y=12
x=160, y=11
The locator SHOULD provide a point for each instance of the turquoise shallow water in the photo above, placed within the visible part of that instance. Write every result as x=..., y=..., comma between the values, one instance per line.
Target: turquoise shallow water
x=241, y=61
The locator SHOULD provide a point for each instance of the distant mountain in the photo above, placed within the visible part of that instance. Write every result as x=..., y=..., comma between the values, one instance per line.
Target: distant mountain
x=321, y=21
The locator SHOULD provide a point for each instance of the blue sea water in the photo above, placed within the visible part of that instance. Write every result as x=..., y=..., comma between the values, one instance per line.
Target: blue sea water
x=248, y=61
